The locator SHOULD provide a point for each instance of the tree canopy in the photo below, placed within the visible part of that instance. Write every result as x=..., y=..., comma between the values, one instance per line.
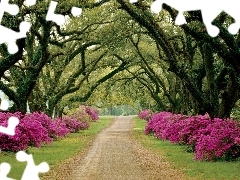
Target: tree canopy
x=121, y=53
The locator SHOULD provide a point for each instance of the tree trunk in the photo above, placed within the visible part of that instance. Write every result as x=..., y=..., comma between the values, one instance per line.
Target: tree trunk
x=230, y=95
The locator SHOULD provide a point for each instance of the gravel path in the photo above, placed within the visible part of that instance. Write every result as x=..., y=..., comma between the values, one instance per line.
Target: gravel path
x=113, y=155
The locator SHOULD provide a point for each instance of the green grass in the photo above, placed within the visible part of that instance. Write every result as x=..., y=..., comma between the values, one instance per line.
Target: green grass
x=184, y=161
x=59, y=150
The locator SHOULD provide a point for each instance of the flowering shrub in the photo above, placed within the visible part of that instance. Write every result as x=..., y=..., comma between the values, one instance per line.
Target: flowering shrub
x=29, y=132
x=35, y=129
x=209, y=140
x=145, y=114
x=82, y=117
x=160, y=123
x=219, y=139
x=58, y=128
x=55, y=128
x=92, y=112
x=15, y=143
x=74, y=125
x=186, y=130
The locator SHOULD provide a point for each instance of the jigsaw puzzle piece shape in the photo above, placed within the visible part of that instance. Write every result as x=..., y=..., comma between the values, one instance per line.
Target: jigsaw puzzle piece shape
x=180, y=19
x=232, y=8
x=51, y=16
x=156, y=6
x=4, y=170
x=12, y=121
x=12, y=9
x=234, y=28
x=4, y=105
x=76, y=11
x=31, y=171
x=11, y=36
x=12, y=124
x=210, y=10
x=208, y=16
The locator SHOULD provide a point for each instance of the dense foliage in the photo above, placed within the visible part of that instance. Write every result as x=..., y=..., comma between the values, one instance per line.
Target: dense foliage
x=208, y=139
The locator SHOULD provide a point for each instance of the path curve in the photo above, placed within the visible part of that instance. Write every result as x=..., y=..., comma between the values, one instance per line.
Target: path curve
x=114, y=155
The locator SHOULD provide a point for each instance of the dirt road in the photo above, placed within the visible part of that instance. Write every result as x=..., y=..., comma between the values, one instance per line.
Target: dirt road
x=115, y=156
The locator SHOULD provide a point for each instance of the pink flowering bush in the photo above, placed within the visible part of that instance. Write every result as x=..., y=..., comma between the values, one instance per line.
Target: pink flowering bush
x=157, y=122
x=92, y=112
x=145, y=114
x=219, y=139
x=186, y=130
x=74, y=125
x=210, y=140
x=160, y=123
x=82, y=117
x=85, y=114
x=58, y=128
x=36, y=129
x=55, y=128
x=18, y=142
x=29, y=132
x=170, y=130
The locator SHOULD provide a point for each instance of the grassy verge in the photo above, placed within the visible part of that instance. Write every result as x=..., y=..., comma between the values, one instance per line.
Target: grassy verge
x=185, y=161
x=57, y=151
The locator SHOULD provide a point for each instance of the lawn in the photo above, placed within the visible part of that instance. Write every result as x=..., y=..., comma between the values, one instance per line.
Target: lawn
x=59, y=150
x=184, y=161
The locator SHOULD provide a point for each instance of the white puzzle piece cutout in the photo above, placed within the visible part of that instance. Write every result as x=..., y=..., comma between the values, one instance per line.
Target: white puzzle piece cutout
x=210, y=10
x=4, y=170
x=31, y=171
x=4, y=104
x=12, y=121
x=7, y=35
x=29, y=2
x=12, y=9
x=12, y=124
x=59, y=18
x=51, y=16
x=76, y=11
x=133, y=1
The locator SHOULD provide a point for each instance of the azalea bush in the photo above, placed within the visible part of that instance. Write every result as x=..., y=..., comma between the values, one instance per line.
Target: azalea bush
x=209, y=139
x=81, y=116
x=158, y=123
x=92, y=112
x=58, y=128
x=55, y=128
x=145, y=114
x=29, y=132
x=221, y=138
x=75, y=125
x=85, y=114
x=186, y=130
x=36, y=129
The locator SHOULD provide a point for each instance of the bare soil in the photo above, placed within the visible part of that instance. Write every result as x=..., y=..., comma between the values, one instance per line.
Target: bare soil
x=114, y=155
